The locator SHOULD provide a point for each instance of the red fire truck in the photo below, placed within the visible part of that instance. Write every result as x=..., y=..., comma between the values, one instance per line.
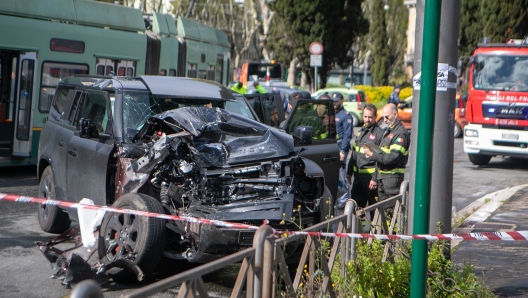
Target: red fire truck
x=497, y=101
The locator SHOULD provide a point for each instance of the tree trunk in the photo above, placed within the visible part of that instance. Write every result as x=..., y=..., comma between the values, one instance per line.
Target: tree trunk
x=265, y=25
x=292, y=73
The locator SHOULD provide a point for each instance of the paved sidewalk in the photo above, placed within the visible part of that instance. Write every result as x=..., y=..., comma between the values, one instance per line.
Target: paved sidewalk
x=503, y=264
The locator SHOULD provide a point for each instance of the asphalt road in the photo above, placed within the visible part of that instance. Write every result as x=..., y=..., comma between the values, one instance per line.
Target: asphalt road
x=25, y=273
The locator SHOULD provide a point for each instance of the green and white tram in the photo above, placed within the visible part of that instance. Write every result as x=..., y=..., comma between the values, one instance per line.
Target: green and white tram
x=44, y=41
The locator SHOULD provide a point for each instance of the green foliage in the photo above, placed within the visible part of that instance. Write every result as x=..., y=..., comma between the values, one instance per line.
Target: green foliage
x=368, y=276
x=504, y=19
x=497, y=20
x=397, y=23
x=298, y=23
x=470, y=31
x=380, y=51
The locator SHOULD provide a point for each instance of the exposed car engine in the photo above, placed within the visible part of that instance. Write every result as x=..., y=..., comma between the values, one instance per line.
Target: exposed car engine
x=208, y=163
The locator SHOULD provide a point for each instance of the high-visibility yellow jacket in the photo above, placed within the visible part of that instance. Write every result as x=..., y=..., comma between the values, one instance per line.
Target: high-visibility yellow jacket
x=241, y=90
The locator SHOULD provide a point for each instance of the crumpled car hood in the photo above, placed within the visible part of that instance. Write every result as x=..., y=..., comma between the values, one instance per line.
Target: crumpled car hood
x=244, y=139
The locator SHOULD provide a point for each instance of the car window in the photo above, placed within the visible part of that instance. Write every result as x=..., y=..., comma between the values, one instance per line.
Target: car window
x=94, y=108
x=316, y=115
x=239, y=107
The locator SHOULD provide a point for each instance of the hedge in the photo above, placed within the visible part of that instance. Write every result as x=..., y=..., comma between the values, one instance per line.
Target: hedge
x=380, y=95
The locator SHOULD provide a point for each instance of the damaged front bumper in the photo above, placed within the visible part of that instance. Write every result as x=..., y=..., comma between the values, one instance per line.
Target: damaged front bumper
x=72, y=264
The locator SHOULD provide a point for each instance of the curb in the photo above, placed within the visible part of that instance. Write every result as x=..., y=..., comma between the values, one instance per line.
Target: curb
x=481, y=209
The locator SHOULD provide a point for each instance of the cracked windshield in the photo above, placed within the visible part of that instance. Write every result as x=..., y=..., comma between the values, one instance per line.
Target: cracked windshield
x=138, y=106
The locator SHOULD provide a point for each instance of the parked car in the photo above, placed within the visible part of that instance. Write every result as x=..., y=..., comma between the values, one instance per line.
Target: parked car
x=405, y=115
x=168, y=145
x=354, y=102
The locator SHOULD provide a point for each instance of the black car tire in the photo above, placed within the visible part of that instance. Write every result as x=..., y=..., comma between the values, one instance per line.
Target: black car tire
x=457, y=130
x=479, y=160
x=52, y=219
x=326, y=206
x=148, y=245
x=355, y=120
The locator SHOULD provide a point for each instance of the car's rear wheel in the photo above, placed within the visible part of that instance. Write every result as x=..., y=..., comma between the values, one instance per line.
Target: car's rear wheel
x=355, y=119
x=458, y=130
x=123, y=235
x=480, y=160
x=52, y=219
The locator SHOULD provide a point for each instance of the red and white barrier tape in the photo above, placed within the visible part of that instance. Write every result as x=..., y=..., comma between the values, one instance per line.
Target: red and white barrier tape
x=498, y=236
x=65, y=204
x=492, y=236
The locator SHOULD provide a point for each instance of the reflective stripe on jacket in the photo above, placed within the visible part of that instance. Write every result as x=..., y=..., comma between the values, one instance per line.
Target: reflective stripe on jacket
x=359, y=165
x=395, y=147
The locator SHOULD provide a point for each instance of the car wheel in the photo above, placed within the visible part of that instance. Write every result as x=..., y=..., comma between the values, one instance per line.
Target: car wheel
x=326, y=205
x=355, y=120
x=458, y=130
x=480, y=160
x=122, y=235
x=52, y=219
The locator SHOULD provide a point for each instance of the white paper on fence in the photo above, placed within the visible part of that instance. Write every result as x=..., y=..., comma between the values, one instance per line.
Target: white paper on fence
x=88, y=220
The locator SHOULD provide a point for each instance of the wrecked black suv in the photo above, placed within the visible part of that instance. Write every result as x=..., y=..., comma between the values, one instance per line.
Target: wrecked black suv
x=170, y=145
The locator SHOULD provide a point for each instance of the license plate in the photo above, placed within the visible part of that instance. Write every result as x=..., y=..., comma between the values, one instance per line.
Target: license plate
x=510, y=136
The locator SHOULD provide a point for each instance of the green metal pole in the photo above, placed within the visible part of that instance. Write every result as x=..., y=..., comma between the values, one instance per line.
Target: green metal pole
x=422, y=189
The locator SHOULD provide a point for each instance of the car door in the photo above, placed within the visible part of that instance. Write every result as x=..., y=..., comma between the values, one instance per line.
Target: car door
x=56, y=135
x=323, y=151
x=88, y=156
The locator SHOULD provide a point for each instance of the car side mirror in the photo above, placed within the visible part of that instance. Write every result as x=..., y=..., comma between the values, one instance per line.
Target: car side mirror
x=302, y=135
x=88, y=129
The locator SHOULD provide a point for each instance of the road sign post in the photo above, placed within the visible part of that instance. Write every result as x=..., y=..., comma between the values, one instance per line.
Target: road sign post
x=316, y=59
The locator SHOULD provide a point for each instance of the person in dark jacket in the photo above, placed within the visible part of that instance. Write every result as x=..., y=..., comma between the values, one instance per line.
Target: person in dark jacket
x=344, y=127
x=395, y=95
x=390, y=163
x=365, y=185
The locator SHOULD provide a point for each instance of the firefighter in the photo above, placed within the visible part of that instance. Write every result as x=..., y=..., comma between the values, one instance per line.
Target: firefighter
x=240, y=88
x=391, y=161
x=365, y=185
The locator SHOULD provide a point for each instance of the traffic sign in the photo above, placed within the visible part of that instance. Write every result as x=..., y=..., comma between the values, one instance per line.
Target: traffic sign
x=316, y=48
x=316, y=60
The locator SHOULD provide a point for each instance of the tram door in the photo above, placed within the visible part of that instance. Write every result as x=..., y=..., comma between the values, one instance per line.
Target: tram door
x=18, y=77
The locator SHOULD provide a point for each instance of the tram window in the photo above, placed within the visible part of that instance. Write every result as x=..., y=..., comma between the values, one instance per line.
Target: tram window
x=24, y=100
x=52, y=73
x=104, y=66
x=219, y=68
x=211, y=72
x=202, y=74
x=100, y=70
x=172, y=72
x=191, y=70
